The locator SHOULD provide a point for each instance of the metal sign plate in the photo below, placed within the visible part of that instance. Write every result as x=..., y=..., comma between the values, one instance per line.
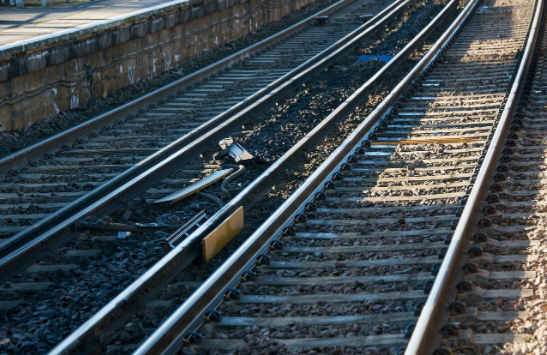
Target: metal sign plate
x=222, y=235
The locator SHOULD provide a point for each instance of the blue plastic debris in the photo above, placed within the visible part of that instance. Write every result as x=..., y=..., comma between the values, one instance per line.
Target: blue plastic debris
x=367, y=57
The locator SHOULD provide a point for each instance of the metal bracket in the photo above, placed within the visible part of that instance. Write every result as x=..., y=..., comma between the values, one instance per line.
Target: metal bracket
x=185, y=231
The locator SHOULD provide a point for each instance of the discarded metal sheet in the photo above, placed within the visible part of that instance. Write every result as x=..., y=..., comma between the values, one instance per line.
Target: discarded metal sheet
x=367, y=57
x=222, y=235
x=195, y=187
x=239, y=153
x=236, y=150
x=184, y=231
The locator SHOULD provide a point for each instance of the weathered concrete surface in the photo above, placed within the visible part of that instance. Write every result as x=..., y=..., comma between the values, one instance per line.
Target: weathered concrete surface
x=25, y=25
x=54, y=73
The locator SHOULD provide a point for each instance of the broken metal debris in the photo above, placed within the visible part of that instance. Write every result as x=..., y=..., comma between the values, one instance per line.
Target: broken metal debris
x=196, y=187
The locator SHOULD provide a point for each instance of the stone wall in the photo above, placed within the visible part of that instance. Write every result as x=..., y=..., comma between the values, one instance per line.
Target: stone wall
x=38, y=82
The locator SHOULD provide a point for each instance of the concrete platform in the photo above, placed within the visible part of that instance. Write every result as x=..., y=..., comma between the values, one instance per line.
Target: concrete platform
x=32, y=27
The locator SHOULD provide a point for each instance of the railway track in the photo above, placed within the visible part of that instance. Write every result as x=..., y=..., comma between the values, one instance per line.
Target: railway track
x=44, y=200
x=347, y=263
x=101, y=260
x=506, y=255
x=45, y=185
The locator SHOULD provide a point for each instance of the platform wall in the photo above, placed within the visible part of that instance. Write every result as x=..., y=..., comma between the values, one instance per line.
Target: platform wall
x=39, y=82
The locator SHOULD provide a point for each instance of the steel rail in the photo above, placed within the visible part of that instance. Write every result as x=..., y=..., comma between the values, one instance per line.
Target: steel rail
x=119, y=310
x=168, y=338
x=443, y=291
x=34, y=243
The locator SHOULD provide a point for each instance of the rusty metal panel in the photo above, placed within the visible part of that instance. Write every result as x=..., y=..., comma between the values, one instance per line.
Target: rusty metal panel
x=222, y=235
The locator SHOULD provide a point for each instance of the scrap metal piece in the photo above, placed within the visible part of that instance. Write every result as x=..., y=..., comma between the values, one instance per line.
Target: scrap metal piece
x=195, y=187
x=184, y=231
x=222, y=235
x=236, y=150
x=239, y=153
